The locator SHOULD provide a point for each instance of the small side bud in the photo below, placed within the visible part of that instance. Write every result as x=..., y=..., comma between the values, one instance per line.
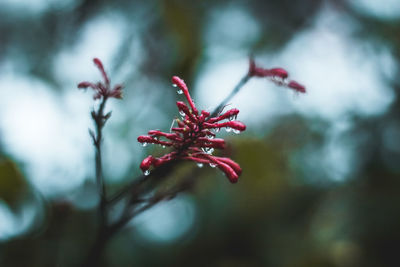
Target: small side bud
x=92, y=135
x=84, y=85
x=108, y=115
x=296, y=86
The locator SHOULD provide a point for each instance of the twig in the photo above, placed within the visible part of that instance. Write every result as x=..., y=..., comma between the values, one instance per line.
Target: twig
x=99, y=120
x=102, y=233
x=128, y=215
x=235, y=90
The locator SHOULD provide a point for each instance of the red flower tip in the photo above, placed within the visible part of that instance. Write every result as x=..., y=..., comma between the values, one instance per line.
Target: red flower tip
x=153, y=132
x=237, y=125
x=296, y=86
x=283, y=74
x=179, y=82
x=232, y=164
x=205, y=114
x=146, y=163
x=103, y=89
x=230, y=115
x=145, y=139
x=98, y=63
x=229, y=172
x=182, y=106
x=193, y=139
x=176, y=81
x=116, y=92
x=84, y=85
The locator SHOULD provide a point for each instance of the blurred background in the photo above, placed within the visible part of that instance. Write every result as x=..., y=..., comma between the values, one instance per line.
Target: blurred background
x=321, y=171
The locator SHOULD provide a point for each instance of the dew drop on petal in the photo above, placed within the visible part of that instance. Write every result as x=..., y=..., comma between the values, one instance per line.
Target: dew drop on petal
x=210, y=151
x=182, y=113
x=228, y=129
x=163, y=146
x=217, y=130
x=179, y=91
x=174, y=85
x=146, y=172
x=144, y=144
x=212, y=165
x=236, y=131
x=200, y=165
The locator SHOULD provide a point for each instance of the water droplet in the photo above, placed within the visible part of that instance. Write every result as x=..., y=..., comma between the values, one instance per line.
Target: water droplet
x=163, y=146
x=200, y=165
x=174, y=85
x=144, y=144
x=231, y=118
x=212, y=165
x=228, y=129
x=217, y=130
x=236, y=131
x=179, y=91
x=146, y=172
x=210, y=151
x=182, y=113
x=210, y=136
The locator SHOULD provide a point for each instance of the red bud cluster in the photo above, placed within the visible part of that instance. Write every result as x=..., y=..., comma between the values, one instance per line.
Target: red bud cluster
x=102, y=89
x=278, y=76
x=193, y=138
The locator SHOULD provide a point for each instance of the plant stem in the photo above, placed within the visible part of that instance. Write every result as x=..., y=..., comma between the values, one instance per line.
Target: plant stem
x=235, y=90
x=102, y=235
x=99, y=120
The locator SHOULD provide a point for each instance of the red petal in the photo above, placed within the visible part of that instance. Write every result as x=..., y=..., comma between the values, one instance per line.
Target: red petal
x=100, y=66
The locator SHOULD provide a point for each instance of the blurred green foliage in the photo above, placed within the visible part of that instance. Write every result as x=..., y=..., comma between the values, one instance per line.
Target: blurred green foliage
x=12, y=182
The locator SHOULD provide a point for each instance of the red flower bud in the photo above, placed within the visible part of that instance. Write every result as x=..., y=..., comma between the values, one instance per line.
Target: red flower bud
x=229, y=172
x=279, y=72
x=255, y=71
x=84, y=85
x=145, y=139
x=102, y=89
x=237, y=125
x=99, y=65
x=193, y=139
x=297, y=87
x=146, y=163
x=230, y=114
x=182, y=85
x=232, y=164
